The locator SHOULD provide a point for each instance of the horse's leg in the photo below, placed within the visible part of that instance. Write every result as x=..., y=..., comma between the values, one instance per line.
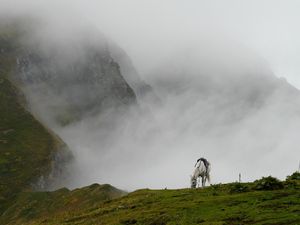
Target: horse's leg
x=203, y=181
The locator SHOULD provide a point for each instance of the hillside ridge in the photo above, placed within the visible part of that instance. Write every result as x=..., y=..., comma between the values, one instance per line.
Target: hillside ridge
x=265, y=201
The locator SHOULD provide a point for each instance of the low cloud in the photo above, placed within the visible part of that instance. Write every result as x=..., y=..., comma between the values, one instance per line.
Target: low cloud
x=214, y=71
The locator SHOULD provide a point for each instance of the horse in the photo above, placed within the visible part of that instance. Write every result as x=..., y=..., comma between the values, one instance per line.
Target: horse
x=202, y=170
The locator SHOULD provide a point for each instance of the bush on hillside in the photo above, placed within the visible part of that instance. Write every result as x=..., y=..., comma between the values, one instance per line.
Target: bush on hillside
x=216, y=189
x=293, y=181
x=294, y=176
x=238, y=188
x=268, y=183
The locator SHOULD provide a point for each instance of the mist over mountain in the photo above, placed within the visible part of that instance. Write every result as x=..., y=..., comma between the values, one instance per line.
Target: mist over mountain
x=140, y=87
x=66, y=81
x=217, y=99
x=101, y=98
x=73, y=78
x=224, y=102
x=232, y=110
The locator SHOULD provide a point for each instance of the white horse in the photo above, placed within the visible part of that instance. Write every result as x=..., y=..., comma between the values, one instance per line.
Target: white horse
x=200, y=171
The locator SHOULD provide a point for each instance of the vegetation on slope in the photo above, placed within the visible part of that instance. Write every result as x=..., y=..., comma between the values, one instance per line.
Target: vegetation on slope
x=26, y=146
x=236, y=203
x=30, y=205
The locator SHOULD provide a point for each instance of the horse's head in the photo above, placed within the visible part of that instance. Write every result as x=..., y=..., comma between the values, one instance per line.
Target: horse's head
x=193, y=182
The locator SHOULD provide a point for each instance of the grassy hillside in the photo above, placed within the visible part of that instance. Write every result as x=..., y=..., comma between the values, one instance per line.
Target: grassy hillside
x=26, y=146
x=266, y=201
x=32, y=205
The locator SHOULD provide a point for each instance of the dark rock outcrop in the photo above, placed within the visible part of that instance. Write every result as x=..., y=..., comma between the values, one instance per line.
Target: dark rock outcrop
x=69, y=89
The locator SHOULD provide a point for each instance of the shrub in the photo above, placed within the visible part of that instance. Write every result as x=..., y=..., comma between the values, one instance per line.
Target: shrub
x=291, y=184
x=216, y=189
x=238, y=188
x=268, y=183
x=294, y=176
x=293, y=181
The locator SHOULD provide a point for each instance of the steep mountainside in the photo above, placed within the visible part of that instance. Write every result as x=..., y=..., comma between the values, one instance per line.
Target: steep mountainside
x=71, y=90
x=66, y=80
x=27, y=148
x=129, y=72
x=58, y=85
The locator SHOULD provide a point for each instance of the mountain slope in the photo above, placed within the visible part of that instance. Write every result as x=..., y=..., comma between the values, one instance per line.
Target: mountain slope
x=27, y=148
x=32, y=205
x=68, y=80
x=140, y=87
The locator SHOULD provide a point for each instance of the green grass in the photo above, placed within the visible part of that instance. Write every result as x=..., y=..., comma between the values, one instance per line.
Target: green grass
x=31, y=205
x=26, y=146
x=217, y=204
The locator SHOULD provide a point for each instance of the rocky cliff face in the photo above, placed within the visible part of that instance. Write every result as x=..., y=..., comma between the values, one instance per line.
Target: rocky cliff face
x=140, y=87
x=68, y=85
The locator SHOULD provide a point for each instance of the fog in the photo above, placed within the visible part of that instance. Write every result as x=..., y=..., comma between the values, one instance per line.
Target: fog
x=213, y=66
